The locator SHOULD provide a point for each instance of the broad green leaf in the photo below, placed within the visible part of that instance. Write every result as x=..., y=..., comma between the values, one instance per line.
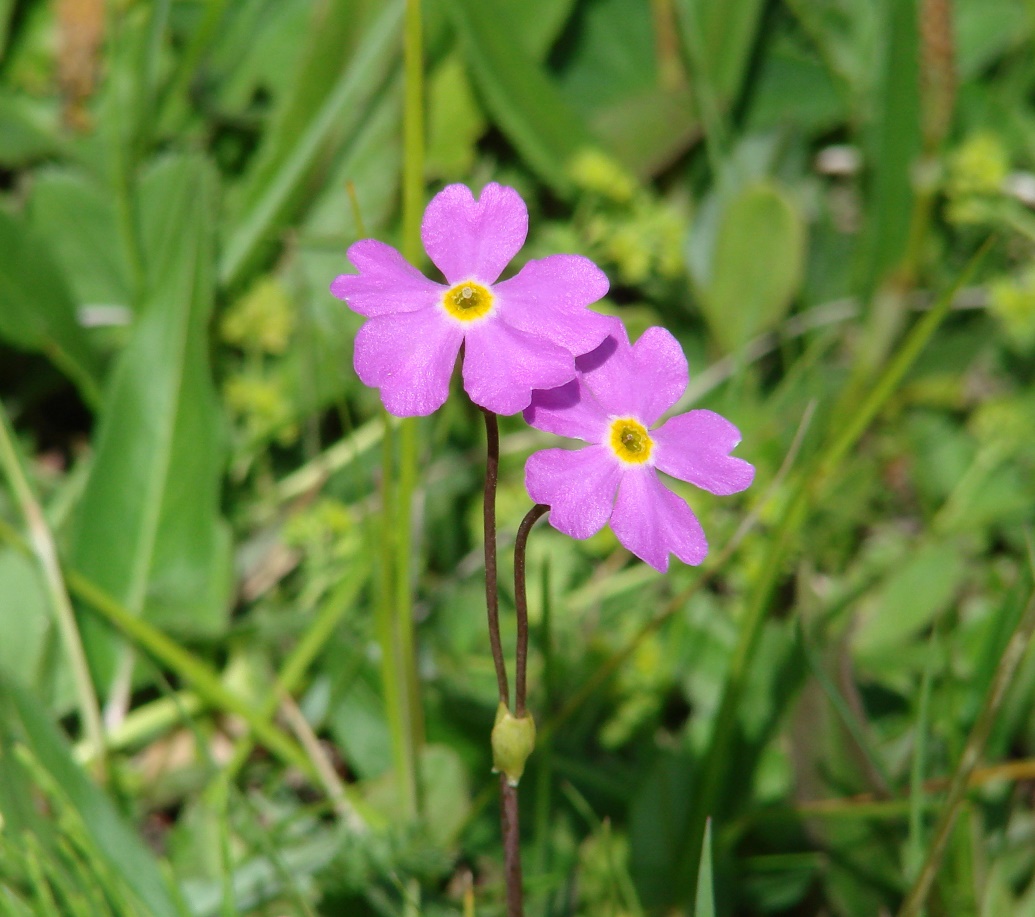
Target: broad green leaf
x=608, y=71
x=6, y=9
x=892, y=144
x=986, y=29
x=909, y=601
x=539, y=22
x=455, y=121
x=148, y=530
x=524, y=101
x=255, y=46
x=610, y=53
x=756, y=264
x=794, y=88
x=726, y=34
x=28, y=128
x=649, y=130
x=79, y=220
x=124, y=852
x=312, y=128
x=36, y=308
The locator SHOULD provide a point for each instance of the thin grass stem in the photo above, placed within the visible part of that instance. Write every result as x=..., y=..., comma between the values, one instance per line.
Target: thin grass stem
x=972, y=750
x=45, y=551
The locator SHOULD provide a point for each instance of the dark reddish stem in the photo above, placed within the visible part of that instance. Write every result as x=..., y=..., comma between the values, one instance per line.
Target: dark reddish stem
x=521, y=604
x=511, y=847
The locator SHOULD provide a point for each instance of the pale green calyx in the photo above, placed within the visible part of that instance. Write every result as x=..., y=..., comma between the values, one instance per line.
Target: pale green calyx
x=513, y=739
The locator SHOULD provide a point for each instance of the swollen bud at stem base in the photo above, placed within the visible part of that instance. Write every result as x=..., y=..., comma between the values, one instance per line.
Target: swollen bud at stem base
x=513, y=739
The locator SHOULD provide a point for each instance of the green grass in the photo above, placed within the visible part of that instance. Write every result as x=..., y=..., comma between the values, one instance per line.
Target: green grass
x=215, y=549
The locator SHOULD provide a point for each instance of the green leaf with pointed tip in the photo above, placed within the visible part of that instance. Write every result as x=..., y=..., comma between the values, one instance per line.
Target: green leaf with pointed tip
x=524, y=102
x=704, y=904
x=756, y=266
x=36, y=308
x=148, y=530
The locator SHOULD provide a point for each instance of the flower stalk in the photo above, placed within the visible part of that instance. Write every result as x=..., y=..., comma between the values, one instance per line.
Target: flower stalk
x=492, y=603
x=521, y=606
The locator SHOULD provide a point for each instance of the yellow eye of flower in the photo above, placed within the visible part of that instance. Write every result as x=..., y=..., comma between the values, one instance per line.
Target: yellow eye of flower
x=467, y=301
x=630, y=440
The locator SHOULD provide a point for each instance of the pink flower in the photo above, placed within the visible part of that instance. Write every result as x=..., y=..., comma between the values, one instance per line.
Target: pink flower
x=519, y=334
x=619, y=393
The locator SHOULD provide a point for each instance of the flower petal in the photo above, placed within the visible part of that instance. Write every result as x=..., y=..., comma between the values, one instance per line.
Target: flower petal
x=651, y=521
x=695, y=447
x=644, y=380
x=474, y=240
x=386, y=282
x=548, y=297
x=409, y=356
x=502, y=366
x=569, y=410
x=578, y=485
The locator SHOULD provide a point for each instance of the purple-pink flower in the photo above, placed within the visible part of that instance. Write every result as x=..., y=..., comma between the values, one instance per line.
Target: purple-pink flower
x=620, y=392
x=518, y=335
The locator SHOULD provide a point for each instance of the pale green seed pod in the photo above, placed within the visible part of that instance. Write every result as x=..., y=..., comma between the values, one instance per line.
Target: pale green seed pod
x=512, y=742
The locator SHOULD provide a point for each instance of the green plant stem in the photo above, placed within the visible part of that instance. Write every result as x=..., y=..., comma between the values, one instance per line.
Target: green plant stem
x=45, y=551
x=492, y=604
x=521, y=606
x=390, y=627
x=402, y=512
x=976, y=740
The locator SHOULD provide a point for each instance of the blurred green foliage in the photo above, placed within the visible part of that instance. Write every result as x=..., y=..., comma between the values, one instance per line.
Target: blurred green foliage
x=795, y=189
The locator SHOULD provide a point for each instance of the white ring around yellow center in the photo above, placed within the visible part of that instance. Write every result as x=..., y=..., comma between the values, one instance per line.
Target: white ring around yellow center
x=630, y=440
x=467, y=301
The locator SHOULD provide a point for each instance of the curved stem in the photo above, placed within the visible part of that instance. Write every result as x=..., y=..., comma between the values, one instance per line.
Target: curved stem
x=521, y=604
x=492, y=604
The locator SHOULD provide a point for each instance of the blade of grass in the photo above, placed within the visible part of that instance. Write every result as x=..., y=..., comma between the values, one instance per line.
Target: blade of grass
x=808, y=490
x=45, y=754
x=879, y=778
x=918, y=800
x=290, y=677
x=1011, y=659
x=704, y=901
x=345, y=107
x=45, y=551
x=187, y=667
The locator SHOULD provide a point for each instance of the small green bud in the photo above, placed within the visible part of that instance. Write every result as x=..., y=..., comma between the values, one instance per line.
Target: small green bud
x=512, y=742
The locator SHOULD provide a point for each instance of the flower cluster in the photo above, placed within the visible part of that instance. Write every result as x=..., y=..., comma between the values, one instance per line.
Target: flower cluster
x=531, y=344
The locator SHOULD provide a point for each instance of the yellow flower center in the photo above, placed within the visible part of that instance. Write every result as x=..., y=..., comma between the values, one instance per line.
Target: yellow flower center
x=467, y=301
x=630, y=440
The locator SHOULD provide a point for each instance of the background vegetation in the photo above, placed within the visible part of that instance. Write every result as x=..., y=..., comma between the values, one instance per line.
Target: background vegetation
x=800, y=190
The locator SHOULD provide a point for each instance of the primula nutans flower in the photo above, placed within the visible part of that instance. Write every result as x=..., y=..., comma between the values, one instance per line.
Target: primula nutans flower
x=620, y=392
x=519, y=334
